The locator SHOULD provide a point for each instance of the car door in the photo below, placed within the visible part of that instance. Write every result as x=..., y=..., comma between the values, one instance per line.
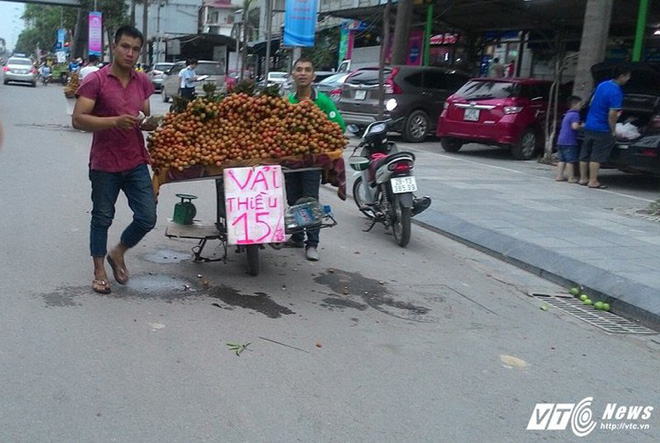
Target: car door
x=436, y=86
x=171, y=81
x=539, y=100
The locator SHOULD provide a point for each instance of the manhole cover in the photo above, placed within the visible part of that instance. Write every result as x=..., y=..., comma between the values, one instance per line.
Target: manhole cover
x=604, y=320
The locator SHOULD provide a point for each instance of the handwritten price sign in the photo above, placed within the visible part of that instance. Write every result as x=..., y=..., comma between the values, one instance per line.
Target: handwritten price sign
x=255, y=205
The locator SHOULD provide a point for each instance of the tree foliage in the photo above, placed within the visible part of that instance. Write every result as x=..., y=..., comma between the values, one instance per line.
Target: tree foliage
x=44, y=21
x=325, y=52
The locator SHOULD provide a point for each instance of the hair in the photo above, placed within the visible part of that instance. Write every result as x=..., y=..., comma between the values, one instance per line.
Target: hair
x=303, y=60
x=620, y=70
x=573, y=100
x=93, y=58
x=130, y=31
x=191, y=61
x=496, y=59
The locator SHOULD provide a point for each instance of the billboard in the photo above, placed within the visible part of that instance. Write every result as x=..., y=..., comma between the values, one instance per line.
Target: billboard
x=299, y=22
x=95, y=33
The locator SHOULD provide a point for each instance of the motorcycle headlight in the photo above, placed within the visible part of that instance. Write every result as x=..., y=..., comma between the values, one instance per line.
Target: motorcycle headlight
x=380, y=127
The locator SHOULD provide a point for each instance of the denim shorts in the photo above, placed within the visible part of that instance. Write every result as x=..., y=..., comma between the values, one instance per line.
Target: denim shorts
x=568, y=153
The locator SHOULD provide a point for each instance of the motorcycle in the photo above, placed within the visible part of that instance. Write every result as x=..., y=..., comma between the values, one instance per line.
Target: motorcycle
x=384, y=190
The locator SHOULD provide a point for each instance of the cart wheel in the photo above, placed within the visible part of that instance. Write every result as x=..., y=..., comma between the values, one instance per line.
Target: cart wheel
x=252, y=252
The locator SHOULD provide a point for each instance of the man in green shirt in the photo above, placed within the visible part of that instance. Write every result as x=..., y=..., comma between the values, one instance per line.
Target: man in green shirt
x=307, y=183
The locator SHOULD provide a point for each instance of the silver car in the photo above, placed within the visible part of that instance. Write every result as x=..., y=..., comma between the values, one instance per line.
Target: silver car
x=20, y=70
x=213, y=71
x=157, y=73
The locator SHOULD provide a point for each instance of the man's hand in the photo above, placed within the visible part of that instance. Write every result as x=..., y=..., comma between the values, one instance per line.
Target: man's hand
x=126, y=121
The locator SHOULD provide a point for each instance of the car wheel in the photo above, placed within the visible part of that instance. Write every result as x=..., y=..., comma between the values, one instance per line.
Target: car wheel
x=450, y=144
x=6, y=82
x=165, y=97
x=33, y=84
x=527, y=146
x=416, y=127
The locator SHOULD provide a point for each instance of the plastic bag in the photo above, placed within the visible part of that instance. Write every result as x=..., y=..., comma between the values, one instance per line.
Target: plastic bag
x=627, y=131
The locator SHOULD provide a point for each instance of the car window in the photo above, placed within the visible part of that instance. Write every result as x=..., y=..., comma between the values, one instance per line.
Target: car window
x=484, y=90
x=455, y=81
x=435, y=80
x=276, y=75
x=162, y=66
x=209, y=69
x=414, y=79
x=337, y=78
x=366, y=76
x=19, y=61
x=175, y=69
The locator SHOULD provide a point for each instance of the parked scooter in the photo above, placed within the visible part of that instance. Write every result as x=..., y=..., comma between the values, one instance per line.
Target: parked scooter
x=384, y=191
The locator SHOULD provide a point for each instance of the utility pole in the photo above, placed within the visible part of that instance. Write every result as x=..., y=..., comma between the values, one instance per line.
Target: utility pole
x=639, y=35
x=145, y=16
x=244, y=54
x=132, y=12
x=595, y=31
x=404, y=12
x=384, y=48
x=269, y=25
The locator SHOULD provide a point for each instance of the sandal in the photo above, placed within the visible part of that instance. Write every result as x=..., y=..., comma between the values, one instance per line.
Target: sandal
x=101, y=286
x=116, y=271
x=598, y=187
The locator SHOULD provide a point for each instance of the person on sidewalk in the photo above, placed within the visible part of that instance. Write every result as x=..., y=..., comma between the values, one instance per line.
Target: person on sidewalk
x=109, y=104
x=188, y=79
x=92, y=66
x=498, y=69
x=567, y=142
x=307, y=183
x=600, y=127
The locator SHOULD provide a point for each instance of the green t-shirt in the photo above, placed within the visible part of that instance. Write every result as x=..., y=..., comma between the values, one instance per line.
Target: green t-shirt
x=325, y=104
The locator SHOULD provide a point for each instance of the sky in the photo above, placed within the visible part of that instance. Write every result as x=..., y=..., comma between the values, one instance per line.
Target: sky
x=11, y=24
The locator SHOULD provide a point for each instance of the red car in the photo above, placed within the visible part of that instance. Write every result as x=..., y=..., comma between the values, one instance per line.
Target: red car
x=506, y=112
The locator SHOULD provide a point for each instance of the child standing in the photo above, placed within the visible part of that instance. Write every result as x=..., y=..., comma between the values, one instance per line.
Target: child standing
x=567, y=143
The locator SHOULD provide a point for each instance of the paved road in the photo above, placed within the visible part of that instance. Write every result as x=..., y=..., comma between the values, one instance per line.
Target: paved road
x=434, y=342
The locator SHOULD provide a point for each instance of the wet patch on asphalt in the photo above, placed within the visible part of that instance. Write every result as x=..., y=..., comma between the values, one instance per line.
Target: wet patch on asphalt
x=259, y=302
x=372, y=292
x=165, y=256
x=49, y=127
x=331, y=302
x=63, y=297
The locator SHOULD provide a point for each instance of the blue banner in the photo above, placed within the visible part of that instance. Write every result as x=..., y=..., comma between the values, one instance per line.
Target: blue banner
x=299, y=22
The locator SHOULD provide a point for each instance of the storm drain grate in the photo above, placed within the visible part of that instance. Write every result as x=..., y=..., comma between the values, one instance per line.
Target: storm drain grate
x=604, y=320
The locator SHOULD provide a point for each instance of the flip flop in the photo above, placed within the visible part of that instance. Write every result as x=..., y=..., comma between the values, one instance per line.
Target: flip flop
x=583, y=184
x=116, y=271
x=597, y=187
x=101, y=286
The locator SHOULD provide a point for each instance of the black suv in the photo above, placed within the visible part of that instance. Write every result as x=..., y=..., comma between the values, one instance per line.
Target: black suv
x=419, y=92
x=641, y=108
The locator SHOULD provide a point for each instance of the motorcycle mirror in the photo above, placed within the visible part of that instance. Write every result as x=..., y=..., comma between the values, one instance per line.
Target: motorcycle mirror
x=353, y=129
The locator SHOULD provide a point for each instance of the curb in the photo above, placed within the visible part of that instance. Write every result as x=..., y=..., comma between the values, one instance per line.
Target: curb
x=628, y=298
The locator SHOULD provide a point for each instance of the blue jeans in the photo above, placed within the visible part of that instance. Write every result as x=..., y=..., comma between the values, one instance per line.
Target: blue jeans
x=136, y=185
x=299, y=185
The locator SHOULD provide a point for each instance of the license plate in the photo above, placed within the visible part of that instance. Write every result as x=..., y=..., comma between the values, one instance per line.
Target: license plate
x=403, y=184
x=360, y=95
x=471, y=115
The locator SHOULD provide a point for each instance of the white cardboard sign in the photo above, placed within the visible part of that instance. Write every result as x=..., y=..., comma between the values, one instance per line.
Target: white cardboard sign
x=255, y=204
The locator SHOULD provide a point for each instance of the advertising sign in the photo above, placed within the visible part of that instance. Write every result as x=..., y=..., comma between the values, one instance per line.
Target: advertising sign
x=95, y=33
x=255, y=205
x=415, y=45
x=299, y=22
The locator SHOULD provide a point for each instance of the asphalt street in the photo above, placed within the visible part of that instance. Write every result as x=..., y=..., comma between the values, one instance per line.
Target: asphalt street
x=434, y=342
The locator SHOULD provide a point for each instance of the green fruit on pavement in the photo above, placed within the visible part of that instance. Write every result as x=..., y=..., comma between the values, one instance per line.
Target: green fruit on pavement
x=575, y=291
x=544, y=307
x=606, y=307
x=598, y=305
x=584, y=297
x=587, y=302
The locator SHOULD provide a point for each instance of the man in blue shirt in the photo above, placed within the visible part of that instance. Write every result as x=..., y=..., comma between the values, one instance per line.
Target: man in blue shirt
x=600, y=127
x=188, y=79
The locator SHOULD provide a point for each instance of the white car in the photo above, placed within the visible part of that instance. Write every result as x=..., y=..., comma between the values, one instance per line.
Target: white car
x=212, y=71
x=20, y=70
x=276, y=78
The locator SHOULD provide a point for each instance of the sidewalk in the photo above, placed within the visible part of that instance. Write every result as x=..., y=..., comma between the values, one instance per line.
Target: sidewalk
x=564, y=232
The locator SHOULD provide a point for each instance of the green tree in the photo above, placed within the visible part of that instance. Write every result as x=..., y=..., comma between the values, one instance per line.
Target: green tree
x=325, y=52
x=42, y=25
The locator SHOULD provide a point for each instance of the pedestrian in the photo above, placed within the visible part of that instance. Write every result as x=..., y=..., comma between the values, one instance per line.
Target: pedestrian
x=498, y=68
x=188, y=79
x=92, y=66
x=567, y=142
x=307, y=183
x=600, y=127
x=109, y=104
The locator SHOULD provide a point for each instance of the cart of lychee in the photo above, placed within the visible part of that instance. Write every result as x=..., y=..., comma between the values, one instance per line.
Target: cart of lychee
x=251, y=202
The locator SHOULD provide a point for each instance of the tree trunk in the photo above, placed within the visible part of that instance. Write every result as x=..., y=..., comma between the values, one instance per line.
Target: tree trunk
x=593, y=44
x=132, y=12
x=404, y=12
